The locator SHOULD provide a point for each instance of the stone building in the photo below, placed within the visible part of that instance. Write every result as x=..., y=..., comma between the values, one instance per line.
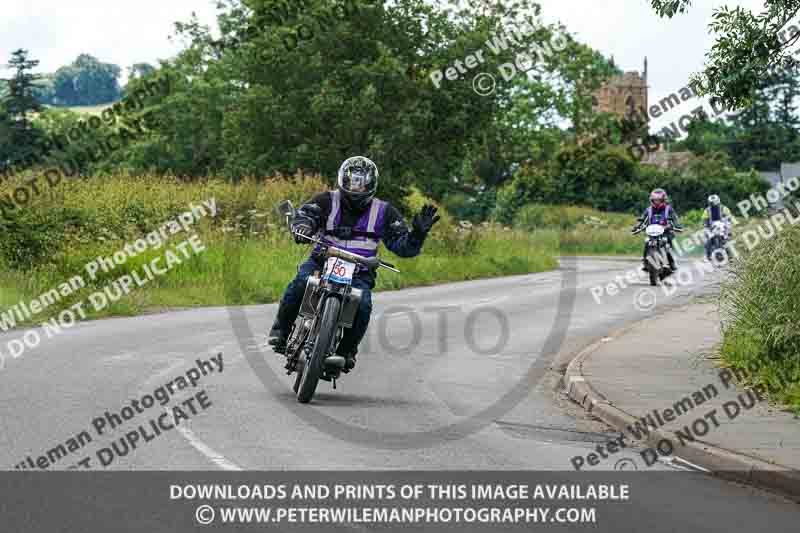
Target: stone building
x=624, y=95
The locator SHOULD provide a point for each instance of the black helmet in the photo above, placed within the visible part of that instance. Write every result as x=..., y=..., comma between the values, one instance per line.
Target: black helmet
x=358, y=181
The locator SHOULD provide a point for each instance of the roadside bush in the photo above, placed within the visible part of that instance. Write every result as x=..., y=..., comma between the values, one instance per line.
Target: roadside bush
x=27, y=238
x=692, y=218
x=475, y=207
x=529, y=184
x=102, y=213
x=449, y=237
x=585, y=174
x=760, y=305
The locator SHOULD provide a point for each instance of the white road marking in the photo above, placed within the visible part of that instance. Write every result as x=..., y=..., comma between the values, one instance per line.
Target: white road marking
x=125, y=356
x=209, y=453
x=213, y=456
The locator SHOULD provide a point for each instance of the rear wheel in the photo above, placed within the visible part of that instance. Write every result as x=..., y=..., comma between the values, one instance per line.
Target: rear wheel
x=326, y=333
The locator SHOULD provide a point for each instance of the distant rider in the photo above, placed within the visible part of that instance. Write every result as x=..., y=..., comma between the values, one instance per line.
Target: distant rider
x=350, y=218
x=716, y=211
x=659, y=212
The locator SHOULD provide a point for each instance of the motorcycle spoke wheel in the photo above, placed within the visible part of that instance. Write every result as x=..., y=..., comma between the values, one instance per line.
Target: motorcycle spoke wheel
x=326, y=334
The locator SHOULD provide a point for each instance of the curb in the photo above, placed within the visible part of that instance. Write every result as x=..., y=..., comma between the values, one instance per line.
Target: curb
x=720, y=462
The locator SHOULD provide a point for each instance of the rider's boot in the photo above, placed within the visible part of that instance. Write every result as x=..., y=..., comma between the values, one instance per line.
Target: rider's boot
x=349, y=361
x=278, y=339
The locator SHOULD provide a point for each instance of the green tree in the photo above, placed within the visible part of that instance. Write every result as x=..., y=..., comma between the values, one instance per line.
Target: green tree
x=20, y=140
x=285, y=88
x=762, y=135
x=45, y=89
x=747, y=47
x=87, y=81
x=140, y=70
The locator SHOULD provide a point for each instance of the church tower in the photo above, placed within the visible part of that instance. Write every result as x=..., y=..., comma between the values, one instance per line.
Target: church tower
x=624, y=95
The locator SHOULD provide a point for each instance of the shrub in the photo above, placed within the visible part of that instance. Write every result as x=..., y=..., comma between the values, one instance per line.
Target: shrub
x=448, y=236
x=529, y=184
x=692, y=218
x=475, y=207
x=760, y=303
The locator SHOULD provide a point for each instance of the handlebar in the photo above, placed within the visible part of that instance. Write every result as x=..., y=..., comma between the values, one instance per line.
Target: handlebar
x=370, y=262
x=640, y=229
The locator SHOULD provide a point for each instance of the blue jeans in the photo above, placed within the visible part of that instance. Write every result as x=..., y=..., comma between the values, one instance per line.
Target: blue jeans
x=293, y=296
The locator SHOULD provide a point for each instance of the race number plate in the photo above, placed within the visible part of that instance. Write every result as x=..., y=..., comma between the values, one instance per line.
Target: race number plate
x=339, y=270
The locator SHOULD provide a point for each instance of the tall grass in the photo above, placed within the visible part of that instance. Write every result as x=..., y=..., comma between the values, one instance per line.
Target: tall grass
x=249, y=256
x=760, y=305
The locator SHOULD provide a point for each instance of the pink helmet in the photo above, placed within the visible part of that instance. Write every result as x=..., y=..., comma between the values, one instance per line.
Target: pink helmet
x=658, y=197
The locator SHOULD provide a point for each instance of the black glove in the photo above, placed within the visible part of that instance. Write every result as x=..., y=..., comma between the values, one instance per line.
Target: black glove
x=302, y=228
x=424, y=221
x=305, y=222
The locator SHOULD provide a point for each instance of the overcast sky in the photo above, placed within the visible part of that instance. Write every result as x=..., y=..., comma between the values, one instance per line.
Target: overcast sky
x=56, y=31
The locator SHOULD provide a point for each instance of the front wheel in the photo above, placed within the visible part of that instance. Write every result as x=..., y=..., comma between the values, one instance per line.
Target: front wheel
x=326, y=333
x=718, y=250
x=653, y=266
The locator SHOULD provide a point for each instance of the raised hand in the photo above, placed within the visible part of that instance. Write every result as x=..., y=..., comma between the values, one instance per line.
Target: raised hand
x=424, y=220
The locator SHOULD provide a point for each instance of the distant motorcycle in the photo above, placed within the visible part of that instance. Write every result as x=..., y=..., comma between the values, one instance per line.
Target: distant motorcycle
x=656, y=260
x=717, y=238
x=329, y=306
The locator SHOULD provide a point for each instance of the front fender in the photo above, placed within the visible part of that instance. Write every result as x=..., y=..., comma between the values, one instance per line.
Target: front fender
x=350, y=308
x=308, y=308
x=313, y=294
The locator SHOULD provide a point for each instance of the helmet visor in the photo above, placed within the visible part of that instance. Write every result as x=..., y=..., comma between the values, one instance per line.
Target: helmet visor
x=357, y=180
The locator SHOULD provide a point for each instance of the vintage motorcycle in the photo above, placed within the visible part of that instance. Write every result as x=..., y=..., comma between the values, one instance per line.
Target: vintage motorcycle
x=717, y=235
x=329, y=306
x=656, y=260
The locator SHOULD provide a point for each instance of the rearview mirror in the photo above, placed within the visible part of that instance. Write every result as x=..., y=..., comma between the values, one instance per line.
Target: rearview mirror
x=286, y=210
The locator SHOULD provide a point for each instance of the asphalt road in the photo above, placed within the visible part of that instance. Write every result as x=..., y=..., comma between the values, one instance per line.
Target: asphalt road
x=451, y=377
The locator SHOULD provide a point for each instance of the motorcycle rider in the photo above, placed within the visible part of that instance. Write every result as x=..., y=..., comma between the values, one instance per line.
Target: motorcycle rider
x=660, y=212
x=716, y=211
x=350, y=218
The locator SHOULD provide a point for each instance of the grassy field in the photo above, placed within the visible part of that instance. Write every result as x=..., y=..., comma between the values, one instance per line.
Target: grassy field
x=249, y=256
x=90, y=109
